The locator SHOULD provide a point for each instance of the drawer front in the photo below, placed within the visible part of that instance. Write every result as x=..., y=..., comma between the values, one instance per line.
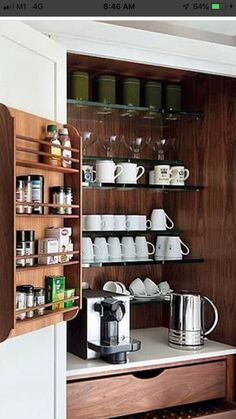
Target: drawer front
x=147, y=390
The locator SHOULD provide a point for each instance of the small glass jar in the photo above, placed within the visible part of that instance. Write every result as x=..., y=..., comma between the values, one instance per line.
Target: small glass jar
x=29, y=292
x=19, y=196
x=57, y=197
x=20, y=248
x=68, y=199
x=20, y=304
x=29, y=246
x=39, y=299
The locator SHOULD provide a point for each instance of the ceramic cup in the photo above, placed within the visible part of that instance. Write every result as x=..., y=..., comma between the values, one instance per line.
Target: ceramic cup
x=151, y=177
x=131, y=173
x=119, y=222
x=161, y=244
x=182, y=175
x=114, y=249
x=142, y=252
x=174, y=248
x=88, y=250
x=88, y=173
x=137, y=223
x=117, y=287
x=159, y=220
x=101, y=253
x=151, y=287
x=107, y=222
x=137, y=287
x=164, y=287
x=92, y=222
x=105, y=171
x=163, y=174
x=129, y=251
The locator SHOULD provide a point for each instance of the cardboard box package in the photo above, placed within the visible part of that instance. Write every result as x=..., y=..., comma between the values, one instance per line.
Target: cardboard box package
x=55, y=290
x=46, y=246
x=63, y=235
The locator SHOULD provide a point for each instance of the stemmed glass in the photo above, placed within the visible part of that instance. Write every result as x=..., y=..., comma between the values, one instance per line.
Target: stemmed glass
x=88, y=139
x=108, y=142
x=135, y=144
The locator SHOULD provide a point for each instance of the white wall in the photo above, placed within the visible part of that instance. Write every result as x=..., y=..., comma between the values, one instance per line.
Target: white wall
x=33, y=366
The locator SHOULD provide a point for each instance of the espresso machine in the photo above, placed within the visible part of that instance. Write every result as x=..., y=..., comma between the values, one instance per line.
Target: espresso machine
x=187, y=328
x=102, y=328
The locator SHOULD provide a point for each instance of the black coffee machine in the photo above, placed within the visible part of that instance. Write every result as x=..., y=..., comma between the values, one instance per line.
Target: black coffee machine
x=111, y=348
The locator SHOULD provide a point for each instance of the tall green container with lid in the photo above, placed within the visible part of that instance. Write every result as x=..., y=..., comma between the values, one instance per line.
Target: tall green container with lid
x=106, y=86
x=79, y=85
x=131, y=91
x=153, y=94
x=173, y=97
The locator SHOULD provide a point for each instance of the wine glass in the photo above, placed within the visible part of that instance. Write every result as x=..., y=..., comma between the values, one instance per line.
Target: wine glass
x=108, y=142
x=88, y=139
x=135, y=144
x=161, y=145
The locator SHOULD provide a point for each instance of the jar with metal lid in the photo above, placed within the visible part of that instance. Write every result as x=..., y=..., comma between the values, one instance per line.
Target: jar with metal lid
x=27, y=193
x=20, y=247
x=39, y=299
x=79, y=85
x=29, y=292
x=153, y=94
x=173, y=97
x=29, y=246
x=19, y=196
x=57, y=198
x=131, y=91
x=37, y=190
x=107, y=89
x=20, y=304
x=68, y=199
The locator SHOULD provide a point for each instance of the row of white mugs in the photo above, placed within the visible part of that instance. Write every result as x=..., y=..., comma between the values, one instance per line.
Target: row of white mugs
x=108, y=222
x=139, y=287
x=129, y=173
x=131, y=249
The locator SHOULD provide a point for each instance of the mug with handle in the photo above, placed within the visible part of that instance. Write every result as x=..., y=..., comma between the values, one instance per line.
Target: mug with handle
x=161, y=245
x=101, y=253
x=142, y=251
x=159, y=220
x=129, y=252
x=114, y=249
x=105, y=171
x=88, y=250
x=182, y=175
x=174, y=248
x=131, y=173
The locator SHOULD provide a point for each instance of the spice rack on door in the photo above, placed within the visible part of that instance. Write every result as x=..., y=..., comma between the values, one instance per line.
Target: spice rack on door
x=21, y=141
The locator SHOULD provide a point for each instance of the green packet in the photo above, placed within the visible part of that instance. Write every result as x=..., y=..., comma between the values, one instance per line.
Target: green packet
x=70, y=293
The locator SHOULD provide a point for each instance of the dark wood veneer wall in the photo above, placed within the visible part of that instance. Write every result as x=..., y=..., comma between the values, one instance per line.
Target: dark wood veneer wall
x=207, y=218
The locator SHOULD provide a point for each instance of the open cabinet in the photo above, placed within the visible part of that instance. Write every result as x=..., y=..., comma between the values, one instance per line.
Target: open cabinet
x=23, y=138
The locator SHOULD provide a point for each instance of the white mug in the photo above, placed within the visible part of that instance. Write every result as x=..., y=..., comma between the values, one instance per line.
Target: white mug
x=114, y=249
x=119, y=222
x=116, y=287
x=88, y=172
x=151, y=287
x=137, y=287
x=101, y=253
x=129, y=250
x=163, y=174
x=141, y=245
x=107, y=222
x=105, y=171
x=131, y=173
x=151, y=177
x=137, y=223
x=161, y=244
x=92, y=222
x=174, y=248
x=87, y=250
x=182, y=175
x=159, y=220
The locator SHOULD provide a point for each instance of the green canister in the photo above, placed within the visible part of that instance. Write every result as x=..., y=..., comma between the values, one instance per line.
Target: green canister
x=107, y=89
x=152, y=94
x=173, y=97
x=131, y=92
x=79, y=85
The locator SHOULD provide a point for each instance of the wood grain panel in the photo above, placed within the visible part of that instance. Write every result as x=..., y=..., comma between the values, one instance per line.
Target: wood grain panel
x=208, y=218
x=139, y=392
x=7, y=233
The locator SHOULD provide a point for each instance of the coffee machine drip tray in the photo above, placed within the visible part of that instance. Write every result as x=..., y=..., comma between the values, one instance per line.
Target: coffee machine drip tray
x=116, y=354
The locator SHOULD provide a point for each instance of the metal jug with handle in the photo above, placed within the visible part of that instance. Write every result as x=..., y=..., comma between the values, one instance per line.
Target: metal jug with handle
x=187, y=324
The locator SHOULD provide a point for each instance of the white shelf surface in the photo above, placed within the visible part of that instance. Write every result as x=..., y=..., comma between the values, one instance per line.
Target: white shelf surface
x=154, y=352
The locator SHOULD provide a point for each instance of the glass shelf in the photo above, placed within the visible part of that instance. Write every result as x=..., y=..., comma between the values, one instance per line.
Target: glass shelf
x=162, y=188
x=143, y=262
x=129, y=111
x=148, y=162
x=134, y=302
x=119, y=233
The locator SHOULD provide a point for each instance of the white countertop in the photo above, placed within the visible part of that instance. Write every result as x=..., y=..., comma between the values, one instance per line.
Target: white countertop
x=154, y=352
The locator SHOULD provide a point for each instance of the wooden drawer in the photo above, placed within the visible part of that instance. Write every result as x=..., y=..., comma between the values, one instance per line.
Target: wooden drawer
x=145, y=390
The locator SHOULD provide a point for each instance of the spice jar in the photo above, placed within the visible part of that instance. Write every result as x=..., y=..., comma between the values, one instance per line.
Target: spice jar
x=57, y=198
x=19, y=195
x=65, y=142
x=53, y=141
x=37, y=188
x=20, y=304
x=29, y=246
x=20, y=247
x=68, y=199
x=29, y=292
x=39, y=299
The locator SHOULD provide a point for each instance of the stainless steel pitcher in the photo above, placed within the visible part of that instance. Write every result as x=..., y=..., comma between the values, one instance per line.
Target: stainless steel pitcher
x=187, y=324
